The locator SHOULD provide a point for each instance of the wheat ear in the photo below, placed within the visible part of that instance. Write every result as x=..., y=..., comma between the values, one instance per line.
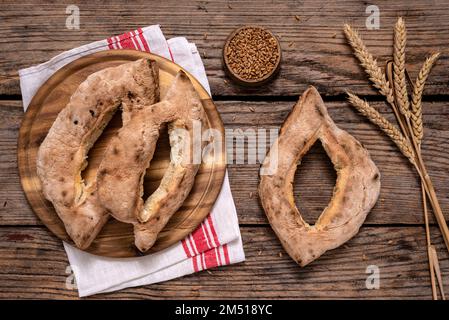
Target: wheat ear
x=400, y=86
x=369, y=64
x=418, y=89
x=386, y=126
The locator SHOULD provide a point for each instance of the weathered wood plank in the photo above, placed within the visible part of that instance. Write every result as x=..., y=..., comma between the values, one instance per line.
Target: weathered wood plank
x=33, y=265
x=314, y=49
x=400, y=195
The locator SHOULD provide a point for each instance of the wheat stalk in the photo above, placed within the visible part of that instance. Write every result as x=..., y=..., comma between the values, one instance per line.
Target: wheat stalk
x=369, y=64
x=407, y=138
x=386, y=126
x=400, y=86
x=418, y=89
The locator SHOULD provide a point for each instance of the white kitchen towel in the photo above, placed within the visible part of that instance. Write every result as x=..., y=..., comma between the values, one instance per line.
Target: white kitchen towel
x=216, y=242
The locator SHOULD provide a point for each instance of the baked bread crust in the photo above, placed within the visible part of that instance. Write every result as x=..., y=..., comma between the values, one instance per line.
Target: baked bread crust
x=62, y=155
x=356, y=191
x=121, y=172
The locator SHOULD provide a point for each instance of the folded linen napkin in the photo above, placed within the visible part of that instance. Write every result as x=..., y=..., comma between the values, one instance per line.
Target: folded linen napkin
x=216, y=242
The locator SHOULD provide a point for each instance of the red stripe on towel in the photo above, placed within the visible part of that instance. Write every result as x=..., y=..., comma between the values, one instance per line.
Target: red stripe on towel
x=203, y=245
x=207, y=230
x=226, y=254
x=192, y=245
x=217, y=254
x=196, y=253
x=117, y=42
x=212, y=229
x=203, y=263
x=186, y=249
x=135, y=41
x=126, y=41
x=203, y=236
x=171, y=54
x=199, y=238
x=110, y=44
x=210, y=258
x=144, y=40
x=195, y=264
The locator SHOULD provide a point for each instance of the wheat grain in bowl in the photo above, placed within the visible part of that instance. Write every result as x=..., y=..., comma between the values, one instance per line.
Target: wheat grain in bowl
x=251, y=55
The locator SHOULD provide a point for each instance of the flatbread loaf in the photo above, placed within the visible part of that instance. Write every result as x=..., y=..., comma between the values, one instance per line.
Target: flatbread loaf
x=356, y=191
x=121, y=172
x=62, y=155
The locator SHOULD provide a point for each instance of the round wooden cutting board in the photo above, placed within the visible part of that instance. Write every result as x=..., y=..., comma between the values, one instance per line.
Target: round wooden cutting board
x=116, y=239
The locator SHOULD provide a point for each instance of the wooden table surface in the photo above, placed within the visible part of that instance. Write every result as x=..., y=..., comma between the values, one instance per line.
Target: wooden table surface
x=32, y=261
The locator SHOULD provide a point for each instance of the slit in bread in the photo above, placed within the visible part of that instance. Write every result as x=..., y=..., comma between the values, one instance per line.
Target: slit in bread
x=356, y=191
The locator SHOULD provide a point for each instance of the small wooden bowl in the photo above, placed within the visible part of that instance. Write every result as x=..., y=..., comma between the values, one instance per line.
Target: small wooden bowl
x=250, y=82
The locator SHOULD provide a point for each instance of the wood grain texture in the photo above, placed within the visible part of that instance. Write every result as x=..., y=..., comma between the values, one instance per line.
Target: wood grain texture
x=32, y=262
x=117, y=239
x=314, y=49
x=33, y=265
x=399, y=202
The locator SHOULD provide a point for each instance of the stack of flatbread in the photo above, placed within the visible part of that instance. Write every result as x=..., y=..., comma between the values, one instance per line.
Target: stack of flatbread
x=117, y=190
